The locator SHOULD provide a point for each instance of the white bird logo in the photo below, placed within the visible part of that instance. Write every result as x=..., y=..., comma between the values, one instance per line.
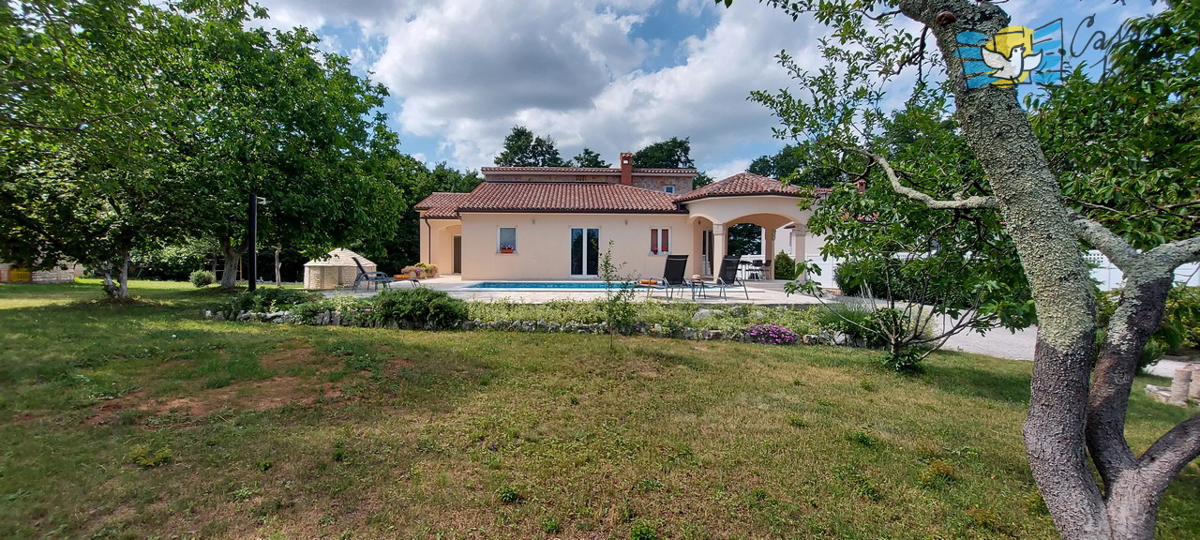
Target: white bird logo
x=1014, y=66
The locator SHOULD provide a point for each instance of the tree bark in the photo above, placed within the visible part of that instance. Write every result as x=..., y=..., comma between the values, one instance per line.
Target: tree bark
x=1030, y=200
x=278, y=277
x=233, y=259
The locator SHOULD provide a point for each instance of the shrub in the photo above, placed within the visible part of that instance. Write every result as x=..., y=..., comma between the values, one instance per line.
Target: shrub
x=202, y=278
x=269, y=299
x=785, y=266
x=852, y=320
x=770, y=334
x=418, y=307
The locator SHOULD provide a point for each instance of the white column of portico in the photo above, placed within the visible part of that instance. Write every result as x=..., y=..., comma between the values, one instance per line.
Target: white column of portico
x=719, y=247
x=769, y=252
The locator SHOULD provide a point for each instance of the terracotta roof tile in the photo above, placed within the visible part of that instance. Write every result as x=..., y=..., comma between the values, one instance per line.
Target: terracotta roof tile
x=583, y=170
x=744, y=183
x=566, y=197
x=439, y=205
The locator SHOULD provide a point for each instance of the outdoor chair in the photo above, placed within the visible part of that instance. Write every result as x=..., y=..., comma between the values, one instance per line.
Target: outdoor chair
x=756, y=271
x=370, y=277
x=672, y=277
x=726, y=279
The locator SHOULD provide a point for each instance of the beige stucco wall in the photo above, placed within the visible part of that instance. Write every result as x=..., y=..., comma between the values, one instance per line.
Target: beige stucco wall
x=544, y=241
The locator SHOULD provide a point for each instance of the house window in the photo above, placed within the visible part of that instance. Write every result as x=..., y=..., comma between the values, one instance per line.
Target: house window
x=669, y=189
x=507, y=242
x=660, y=241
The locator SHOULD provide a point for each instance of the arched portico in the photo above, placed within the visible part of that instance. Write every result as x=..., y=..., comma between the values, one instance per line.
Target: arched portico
x=712, y=216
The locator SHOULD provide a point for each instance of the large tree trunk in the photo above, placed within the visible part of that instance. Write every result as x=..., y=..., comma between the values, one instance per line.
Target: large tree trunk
x=1045, y=236
x=278, y=277
x=1067, y=420
x=233, y=259
x=118, y=290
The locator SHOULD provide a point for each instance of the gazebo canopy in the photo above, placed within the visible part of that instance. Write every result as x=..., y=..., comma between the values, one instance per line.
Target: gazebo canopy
x=339, y=257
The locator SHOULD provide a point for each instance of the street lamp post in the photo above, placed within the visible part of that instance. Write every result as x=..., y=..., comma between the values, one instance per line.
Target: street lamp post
x=252, y=263
x=252, y=253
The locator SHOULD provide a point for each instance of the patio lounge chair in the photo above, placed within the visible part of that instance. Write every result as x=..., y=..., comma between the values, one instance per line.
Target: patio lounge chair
x=370, y=277
x=672, y=277
x=726, y=279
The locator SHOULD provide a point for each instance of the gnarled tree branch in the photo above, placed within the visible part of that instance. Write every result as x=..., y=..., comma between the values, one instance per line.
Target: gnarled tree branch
x=1118, y=251
x=1172, y=255
x=977, y=201
x=1172, y=452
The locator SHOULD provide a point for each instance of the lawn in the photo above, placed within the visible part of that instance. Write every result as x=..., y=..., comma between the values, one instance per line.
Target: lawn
x=143, y=419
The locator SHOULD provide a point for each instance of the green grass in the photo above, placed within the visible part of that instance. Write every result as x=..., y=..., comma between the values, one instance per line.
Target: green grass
x=142, y=419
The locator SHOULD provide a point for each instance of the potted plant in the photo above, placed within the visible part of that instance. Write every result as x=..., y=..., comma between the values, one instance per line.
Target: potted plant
x=507, y=248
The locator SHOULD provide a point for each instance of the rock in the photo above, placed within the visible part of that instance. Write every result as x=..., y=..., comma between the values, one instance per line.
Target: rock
x=468, y=325
x=244, y=316
x=542, y=325
x=689, y=333
x=208, y=314
x=712, y=335
x=705, y=313
x=814, y=339
x=1194, y=388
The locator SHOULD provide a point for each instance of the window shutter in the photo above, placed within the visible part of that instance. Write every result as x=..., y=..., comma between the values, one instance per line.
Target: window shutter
x=666, y=240
x=653, y=240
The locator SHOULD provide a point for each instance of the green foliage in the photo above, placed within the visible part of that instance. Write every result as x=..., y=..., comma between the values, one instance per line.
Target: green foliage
x=642, y=530
x=588, y=158
x=508, y=495
x=201, y=278
x=392, y=252
x=523, y=149
x=419, y=307
x=793, y=167
x=619, y=312
x=744, y=239
x=672, y=317
x=785, y=267
x=1143, y=186
x=673, y=153
x=550, y=525
x=149, y=456
x=269, y=299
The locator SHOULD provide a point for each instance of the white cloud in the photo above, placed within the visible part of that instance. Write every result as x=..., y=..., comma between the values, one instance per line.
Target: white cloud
x=729, y=168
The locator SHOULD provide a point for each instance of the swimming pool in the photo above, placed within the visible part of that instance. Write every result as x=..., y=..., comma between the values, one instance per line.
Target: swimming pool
x=542, y=285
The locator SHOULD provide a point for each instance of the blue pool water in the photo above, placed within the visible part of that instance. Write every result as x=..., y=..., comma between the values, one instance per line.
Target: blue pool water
x=571, y=285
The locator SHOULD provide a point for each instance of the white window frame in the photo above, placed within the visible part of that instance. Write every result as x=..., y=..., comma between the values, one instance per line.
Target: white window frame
x=669, y=189
x=499, y=240
x=659, y=236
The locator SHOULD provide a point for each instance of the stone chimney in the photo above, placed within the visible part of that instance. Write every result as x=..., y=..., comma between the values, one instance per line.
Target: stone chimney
x=627, y=168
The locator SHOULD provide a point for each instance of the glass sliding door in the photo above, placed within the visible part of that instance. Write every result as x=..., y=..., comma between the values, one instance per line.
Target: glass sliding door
x=585, y=252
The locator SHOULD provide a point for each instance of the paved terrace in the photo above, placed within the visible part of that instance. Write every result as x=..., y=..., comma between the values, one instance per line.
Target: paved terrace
x=762, y=293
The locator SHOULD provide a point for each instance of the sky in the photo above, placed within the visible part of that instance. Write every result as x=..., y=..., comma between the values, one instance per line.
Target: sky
x=611, y=75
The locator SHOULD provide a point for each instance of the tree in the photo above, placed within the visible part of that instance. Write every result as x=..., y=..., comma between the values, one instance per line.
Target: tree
x=745, y=239
x=588, y=158
x=793, y=166
x=523, y=149
x=673, y=153
x=1078, y=400
x=291, y=124
x=394, y=252
x=86, y=115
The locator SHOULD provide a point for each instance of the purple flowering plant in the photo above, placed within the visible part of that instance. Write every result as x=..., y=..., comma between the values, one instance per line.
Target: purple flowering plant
x=769, y=334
